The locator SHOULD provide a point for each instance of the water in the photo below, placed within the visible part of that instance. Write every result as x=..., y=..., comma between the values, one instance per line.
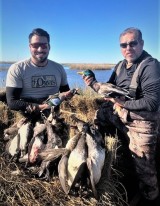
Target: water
x=74, y=79
x=3, y=74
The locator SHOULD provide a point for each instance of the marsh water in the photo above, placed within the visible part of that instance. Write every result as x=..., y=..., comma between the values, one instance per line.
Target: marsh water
x=74, y=79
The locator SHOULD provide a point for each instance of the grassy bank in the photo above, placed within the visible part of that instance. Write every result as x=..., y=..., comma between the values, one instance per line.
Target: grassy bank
x=80, y=66
x=7, y=62
x=90, y=66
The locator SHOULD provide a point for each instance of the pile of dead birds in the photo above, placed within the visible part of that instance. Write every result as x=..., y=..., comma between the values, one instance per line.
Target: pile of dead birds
x=42, y=164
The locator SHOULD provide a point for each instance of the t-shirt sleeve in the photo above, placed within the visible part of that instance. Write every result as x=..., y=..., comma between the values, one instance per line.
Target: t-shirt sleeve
x=64, y=80
x=14, y=77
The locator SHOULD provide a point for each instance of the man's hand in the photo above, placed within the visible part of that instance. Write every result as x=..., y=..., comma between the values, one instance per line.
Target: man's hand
x=88, y=80
x=118, y=105
x=68, y=95
x=44, y=106
x=37, y=108
x=118, y=109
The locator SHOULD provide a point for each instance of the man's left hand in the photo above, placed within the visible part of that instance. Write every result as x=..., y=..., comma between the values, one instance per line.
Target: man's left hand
x=118, y=105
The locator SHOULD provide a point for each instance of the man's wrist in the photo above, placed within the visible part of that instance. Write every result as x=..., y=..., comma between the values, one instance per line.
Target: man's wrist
x=93, y=85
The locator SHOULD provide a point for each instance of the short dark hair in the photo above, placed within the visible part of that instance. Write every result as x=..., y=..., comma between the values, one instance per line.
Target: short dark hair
x=39, y=32
x=132, y=30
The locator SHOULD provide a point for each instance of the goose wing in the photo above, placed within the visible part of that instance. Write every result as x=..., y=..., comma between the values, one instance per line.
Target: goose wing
x=62, y=172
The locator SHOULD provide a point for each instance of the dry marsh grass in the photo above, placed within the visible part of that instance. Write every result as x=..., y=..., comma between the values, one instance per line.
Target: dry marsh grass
x=20, y=188
x=23, y=189
x=80, y=66
x=90, y=66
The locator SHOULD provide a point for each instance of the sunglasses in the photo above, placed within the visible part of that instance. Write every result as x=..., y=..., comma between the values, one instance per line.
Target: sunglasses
x=131, y=44
x=37, y=45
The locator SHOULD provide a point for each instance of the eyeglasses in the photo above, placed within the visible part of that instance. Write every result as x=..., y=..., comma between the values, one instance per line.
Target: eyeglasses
x=131, y=44
x=37, y=45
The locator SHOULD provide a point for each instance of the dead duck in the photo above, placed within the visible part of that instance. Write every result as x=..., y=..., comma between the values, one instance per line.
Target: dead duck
x=53, y=141
x=37, y=143
x=57, y=128
x=60, y=127
x=56, y=99
x=105, y=89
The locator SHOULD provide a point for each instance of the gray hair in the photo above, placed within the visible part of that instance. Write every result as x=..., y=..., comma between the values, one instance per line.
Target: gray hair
x=132, y=30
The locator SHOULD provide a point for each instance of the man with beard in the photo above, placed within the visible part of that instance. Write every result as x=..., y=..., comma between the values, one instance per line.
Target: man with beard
x=31, y=81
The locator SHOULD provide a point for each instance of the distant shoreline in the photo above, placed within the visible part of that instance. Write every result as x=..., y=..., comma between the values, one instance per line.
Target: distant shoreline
x=78, y=66
x=3, y=69
x=84, y=66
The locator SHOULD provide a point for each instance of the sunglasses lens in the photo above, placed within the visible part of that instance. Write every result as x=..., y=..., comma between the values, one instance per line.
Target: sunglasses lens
x=37, y=45
x=123, y=45
x=131, y=44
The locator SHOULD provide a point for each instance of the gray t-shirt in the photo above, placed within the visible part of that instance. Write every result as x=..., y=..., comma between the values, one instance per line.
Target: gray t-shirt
x=37, y=82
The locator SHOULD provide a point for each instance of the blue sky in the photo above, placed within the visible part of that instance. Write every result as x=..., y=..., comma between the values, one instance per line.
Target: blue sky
x=81, y=31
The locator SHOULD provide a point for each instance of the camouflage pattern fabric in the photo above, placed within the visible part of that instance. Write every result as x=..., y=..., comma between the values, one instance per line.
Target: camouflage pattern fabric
x=140, y=130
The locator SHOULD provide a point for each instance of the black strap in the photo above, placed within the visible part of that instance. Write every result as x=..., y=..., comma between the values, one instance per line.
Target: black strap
x=119, y=68
x=134, y=83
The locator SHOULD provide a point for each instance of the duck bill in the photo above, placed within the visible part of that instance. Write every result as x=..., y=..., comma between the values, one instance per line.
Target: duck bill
x=80, y=73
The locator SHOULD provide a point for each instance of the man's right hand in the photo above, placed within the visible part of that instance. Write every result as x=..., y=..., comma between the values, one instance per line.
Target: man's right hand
x=37, y=107
x=88, y=80
x=43, y=106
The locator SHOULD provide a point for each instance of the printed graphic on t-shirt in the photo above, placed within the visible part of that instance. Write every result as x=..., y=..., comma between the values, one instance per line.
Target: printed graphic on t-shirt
x=43, y=81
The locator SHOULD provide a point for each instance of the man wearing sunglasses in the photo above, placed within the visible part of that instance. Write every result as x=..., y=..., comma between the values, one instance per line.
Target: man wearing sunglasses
x=31, y=81
x=135, y=117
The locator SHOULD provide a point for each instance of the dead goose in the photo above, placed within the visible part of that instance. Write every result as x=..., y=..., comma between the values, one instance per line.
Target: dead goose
x=95, y=152
x=63, y=164
x=62, y=171
x=77, y=163
x=96, y=156
x=106, y=89
x=12, y=131
x=72, y=167
x=75, y=160
x=80, y=124
x=18, y=145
